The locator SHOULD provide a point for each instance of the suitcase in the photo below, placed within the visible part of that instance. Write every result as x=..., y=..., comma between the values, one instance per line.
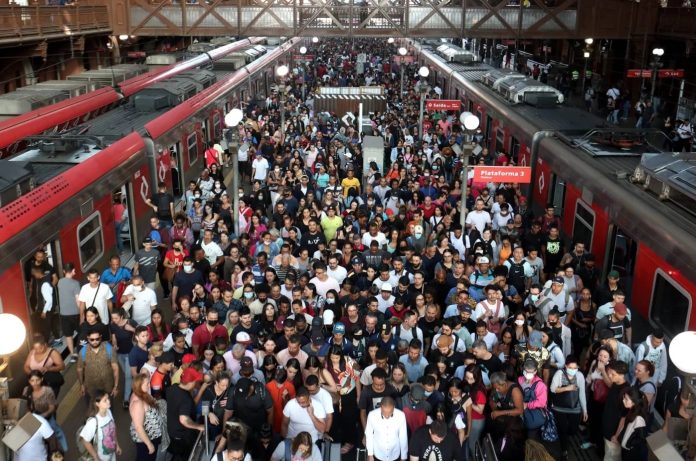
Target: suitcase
x=330, y=451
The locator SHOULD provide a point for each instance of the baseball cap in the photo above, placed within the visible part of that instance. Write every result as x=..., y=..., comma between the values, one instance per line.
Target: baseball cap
x=246, y=364
x=279, y=322
x=339, y=328
x=191, y=375
x=417, y=391
x=317, y=339
x=605, y=334
x=188, y=358
x=386, y=287
x=243, y=337
x=464, y=308
x=389, y=212
x=166, y=357
x=614, y=274
x=356, y=260
x=243, y=386
x=484, y=260
x=559, y=280
x=385, y=329
x=620, y=308
x=147, y=240
x=328, y=317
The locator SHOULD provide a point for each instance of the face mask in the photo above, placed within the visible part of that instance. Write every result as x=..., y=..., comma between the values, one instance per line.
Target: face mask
x=519, y=323
x=529, y=376
x=571, y=371
x=418, y=235
x=428, y=393
x=212, y=323
x=248, y=295
x=188, y=269
x=197, y=195
x=330, y=301
x=370, y=202
x=534, y=298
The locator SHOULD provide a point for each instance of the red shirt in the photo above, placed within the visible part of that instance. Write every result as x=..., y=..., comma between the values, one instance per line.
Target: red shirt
x=203, y=336
x=177, y=259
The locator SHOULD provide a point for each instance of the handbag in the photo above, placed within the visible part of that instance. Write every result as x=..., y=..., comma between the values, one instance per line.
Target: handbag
x=568, y=399
x=53, y=379
x=549, y=431
x=599, y=390
x=533, y=418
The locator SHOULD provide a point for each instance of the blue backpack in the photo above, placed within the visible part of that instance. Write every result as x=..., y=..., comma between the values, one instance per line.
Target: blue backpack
x=109, y=348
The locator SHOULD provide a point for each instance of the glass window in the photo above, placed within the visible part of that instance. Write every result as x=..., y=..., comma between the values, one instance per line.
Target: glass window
x=583, y=224
x=499, y=140
x=670, y=304
x=557, y=194
x=217, y=128
x=514, y=150
x=192, y=142
x=90, y=240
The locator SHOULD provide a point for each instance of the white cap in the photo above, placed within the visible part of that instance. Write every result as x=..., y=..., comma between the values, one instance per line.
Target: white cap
x=328, y=317
x=243, y=337
x=418, y=228
x=386, y=287
x=484, y=260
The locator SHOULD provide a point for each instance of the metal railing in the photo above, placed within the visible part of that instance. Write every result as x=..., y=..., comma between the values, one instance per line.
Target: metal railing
x=485, y=450
x=19, y=23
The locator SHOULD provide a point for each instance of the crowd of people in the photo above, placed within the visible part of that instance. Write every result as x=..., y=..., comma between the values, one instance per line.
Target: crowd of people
x=352, y=311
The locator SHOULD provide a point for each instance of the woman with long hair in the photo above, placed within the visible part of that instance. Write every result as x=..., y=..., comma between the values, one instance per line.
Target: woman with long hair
x=347, y=387
x=99, y=435
x=147, y=426
x=41, y=400
x=598, y=384
x=301, y=448
x=46, y=360
x=158, y=328
x=216, y=394
x=633, y=427
x=294, y=370
x=399, y=379
x=93, y=322
x=473, y=382
x=281, y=391
x=269, y=365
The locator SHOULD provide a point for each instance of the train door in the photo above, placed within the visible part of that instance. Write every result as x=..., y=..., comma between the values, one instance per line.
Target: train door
x=489, y=129
x=583, y=224
x=124, y=216
x=499, y=140
x=217, y=126
x=177, y=168
x=514, y=151
x=51, y=250
x=621, y=257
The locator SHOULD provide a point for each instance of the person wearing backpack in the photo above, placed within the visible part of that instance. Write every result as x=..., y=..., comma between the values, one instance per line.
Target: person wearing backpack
x=568, y=401
x=97, y=366
x=97, y=439
x=555, y=296
x=300, y=448
x=653, y=350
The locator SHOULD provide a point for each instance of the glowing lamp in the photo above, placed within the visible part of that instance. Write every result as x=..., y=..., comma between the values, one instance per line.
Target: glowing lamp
x=14, y=334
x=233, y=117
x=681, y=351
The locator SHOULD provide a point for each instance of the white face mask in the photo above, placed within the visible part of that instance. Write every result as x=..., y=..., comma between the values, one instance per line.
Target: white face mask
x=529, y=376
x=519, y=323
x=188, y=269
x=330, y=300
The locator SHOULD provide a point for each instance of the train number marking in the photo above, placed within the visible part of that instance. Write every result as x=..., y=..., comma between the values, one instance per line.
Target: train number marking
x=144, y=188
x=541, y=182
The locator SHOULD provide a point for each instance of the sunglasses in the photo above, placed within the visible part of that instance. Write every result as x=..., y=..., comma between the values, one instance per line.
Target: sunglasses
x=93, y=340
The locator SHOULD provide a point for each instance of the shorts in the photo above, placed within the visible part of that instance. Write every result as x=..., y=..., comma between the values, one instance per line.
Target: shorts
x=70, y=324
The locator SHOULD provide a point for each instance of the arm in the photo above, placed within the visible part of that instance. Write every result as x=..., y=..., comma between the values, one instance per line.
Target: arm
x=137, y=413
x=188, y=423
x=82, y=306
x=114, y=368
x=541, y=397
x=319, y=424
x=363, y=418
x=369, y=436
x=47, y=294
x=284, y=426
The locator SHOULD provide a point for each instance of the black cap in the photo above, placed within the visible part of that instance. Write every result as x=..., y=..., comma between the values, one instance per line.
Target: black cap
x=166, y=357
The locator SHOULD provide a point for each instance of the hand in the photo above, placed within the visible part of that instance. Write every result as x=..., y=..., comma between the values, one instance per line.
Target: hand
x=43, y=315
x=494, y=414
x=118, y=450
x=614, y=439
x=201, y=427
x=584, y=417
x=213, y=419
x=328, y=438
x=524, y=405
x=310, y=410
x=114, y=392
x=150, y=448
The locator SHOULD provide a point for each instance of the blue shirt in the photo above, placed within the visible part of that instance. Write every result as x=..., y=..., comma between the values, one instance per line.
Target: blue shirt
x=414, y=371
x=111, y=279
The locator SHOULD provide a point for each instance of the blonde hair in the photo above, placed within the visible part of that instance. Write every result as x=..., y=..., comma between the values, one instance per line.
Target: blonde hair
x=156, y=350
x=57, y=456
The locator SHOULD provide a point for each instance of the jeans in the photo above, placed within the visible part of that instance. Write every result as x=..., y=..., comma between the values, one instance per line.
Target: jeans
x=567, y=424
x=125, y=366
x=477, y=427
x=142, y=453
x=119, y=240
x=60, y=435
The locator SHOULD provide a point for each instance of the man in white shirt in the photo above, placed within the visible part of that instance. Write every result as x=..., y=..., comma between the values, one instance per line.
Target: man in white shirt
x=386, y=433
x=35, y=448
x=321, y=280
x=335, y=271
x=213, y=252
x=478, y=218
x=385, y=299
x=302, y=414
x=96, y=294
x=140, y=299
x=374, y=234
x=323, y=398
x=260, y=167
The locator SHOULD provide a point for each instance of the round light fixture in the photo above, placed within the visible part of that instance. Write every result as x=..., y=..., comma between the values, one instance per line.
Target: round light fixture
x=403, y=51
x=586, y=54
x=681, y=351
x=424, y=72
x=14, y=334
x=123, y=37
x=315, y=39
x=233, y=117
x=658, y=51
x=282, y=71
x=303, y=49
x=469, y=120
x=589, y=41
x=390, y=40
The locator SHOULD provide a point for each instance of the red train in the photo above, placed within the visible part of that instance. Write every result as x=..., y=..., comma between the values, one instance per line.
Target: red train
x=632, y=205
x=70, y=211
x=72, y=112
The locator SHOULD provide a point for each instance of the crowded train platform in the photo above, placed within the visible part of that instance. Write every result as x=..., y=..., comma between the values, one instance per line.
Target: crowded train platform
x=306, y=299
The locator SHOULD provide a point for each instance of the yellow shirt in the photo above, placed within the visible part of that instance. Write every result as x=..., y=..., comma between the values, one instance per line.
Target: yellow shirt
x=347, y=183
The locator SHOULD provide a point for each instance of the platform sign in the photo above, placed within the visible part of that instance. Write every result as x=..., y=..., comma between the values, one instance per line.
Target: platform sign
x=442, y=104
x=661, y=73
x=136, y=54
x=408, y=59
x=303, y=57
x=515, y=174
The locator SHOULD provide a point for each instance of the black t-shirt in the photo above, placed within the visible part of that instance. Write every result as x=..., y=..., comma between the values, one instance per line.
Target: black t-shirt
x=452, y=362
x=179, y=402
x=147, y=264
x=613, y=410
x=217, y=402
x=371, y=400
x=554, y=253
x=252, y=409
x=617, y=327
x=185, y=282
x=423, y=447
x=162, y=201
x=311, y=241
x=124, y=338
x=429, y=328
x=491, y=365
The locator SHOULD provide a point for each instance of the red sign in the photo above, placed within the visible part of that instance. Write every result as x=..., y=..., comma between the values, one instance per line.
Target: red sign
x=638, y=73
x=303, y=57
x=408, y=59
x=670, y=73
x=442, y=104
x=136, y=54
x=517, y=174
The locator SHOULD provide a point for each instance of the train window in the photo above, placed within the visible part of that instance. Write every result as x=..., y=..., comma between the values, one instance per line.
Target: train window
x=499, y=140
x=670, y=304
x=487, y=133
x=217, y=126
x=583, y=224
x=514, y=151
x=557, y=193
x=90, y=240
x=192, y=142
